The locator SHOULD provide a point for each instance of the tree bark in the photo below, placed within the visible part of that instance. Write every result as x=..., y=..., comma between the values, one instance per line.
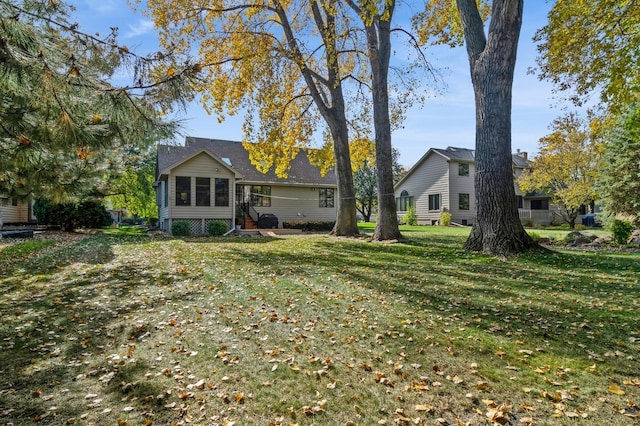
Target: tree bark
x=346, y=223
x=379, y=45
x=497, y=229
x=332, y=110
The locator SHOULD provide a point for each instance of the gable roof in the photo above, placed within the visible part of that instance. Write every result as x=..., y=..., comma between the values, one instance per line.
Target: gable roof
x=181, y=156
x=233, y=155
x=460, y=155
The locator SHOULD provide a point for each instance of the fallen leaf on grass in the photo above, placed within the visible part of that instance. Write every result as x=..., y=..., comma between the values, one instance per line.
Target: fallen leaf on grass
x=632, y=382
x=424, y=408
x=483, y=386
x=615, y=389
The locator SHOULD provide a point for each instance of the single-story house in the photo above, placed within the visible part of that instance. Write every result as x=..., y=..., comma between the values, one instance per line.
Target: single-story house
x=443, y=179
x=209, y=180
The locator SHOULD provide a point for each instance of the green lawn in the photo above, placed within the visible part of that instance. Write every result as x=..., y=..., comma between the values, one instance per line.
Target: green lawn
x=136, y=329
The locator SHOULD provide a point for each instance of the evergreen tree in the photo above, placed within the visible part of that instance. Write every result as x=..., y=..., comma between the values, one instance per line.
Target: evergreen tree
x=63, y=125
x=619, y=184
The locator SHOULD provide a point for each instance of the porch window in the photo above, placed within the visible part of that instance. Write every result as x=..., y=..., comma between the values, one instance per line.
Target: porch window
x=203, y=191
x=434, y=202
x=520, y=201
x=261, y=196
x=463, y=201
x=540, y=204
x=326, y=197
x=404, y=201
x=463, y=169
x=183, y=191
x=222, y=192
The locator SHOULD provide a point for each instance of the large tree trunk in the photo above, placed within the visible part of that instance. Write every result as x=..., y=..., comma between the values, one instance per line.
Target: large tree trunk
x=497, y=229
x=379, y=43
x=346, y=223
x=332, y=110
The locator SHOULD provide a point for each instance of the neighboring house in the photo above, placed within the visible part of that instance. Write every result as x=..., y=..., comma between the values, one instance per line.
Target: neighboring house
x=14, y=212
x=443, y=179
x=208, y=179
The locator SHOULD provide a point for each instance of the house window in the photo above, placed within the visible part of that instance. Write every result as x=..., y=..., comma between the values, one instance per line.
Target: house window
x=183, y=191
x=434, y=202
x=540, y=204
x=404, y=201
x=326, y=197
x=4, y=201
x=463, y=169
x=520, y=201
x=463, y=201
x=261, y=196
x=222, y=192
x=14, y=202
x=203, y=191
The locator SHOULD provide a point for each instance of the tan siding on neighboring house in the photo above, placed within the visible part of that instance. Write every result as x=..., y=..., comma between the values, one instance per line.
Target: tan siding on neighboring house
x=298, y=203
x=431, y=177
x=13, y=214
x=461, y=185
x=517, y=172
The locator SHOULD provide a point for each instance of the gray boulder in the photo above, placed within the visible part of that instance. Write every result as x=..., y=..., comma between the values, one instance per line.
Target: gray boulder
x=579, y=238
x=603, y=240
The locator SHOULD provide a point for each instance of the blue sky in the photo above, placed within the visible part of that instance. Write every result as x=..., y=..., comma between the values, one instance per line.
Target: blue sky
x=447, y=119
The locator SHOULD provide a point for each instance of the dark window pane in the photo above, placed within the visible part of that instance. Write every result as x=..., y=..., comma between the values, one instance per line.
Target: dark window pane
x=203, y=191
x=261, y=196
x=540, y=204
x=434, y=202
x=222, y=192
x=463, y=201
x=326, y=197
x=183, y=191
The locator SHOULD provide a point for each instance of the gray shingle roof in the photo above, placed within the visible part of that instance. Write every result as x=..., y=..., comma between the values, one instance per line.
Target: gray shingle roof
x=301, y=172
x=461, y=155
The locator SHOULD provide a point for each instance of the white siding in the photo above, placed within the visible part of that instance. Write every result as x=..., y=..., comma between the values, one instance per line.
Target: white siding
x=163, y=206
x=461, y=185
x=298, y=203
x=430, y=177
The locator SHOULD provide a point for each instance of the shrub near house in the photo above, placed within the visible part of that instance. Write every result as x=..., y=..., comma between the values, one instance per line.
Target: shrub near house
x=70, y=216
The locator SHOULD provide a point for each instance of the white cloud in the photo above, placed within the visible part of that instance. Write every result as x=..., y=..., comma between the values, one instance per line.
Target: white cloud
x=104, y=6
x=140, y=28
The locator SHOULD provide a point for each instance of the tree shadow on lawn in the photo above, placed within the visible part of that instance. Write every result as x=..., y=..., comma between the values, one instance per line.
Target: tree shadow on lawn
x=90, y=250
x=554, y=301
x=77, y=330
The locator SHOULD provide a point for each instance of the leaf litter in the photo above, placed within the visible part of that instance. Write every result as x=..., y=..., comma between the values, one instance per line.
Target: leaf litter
x=309, y=331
